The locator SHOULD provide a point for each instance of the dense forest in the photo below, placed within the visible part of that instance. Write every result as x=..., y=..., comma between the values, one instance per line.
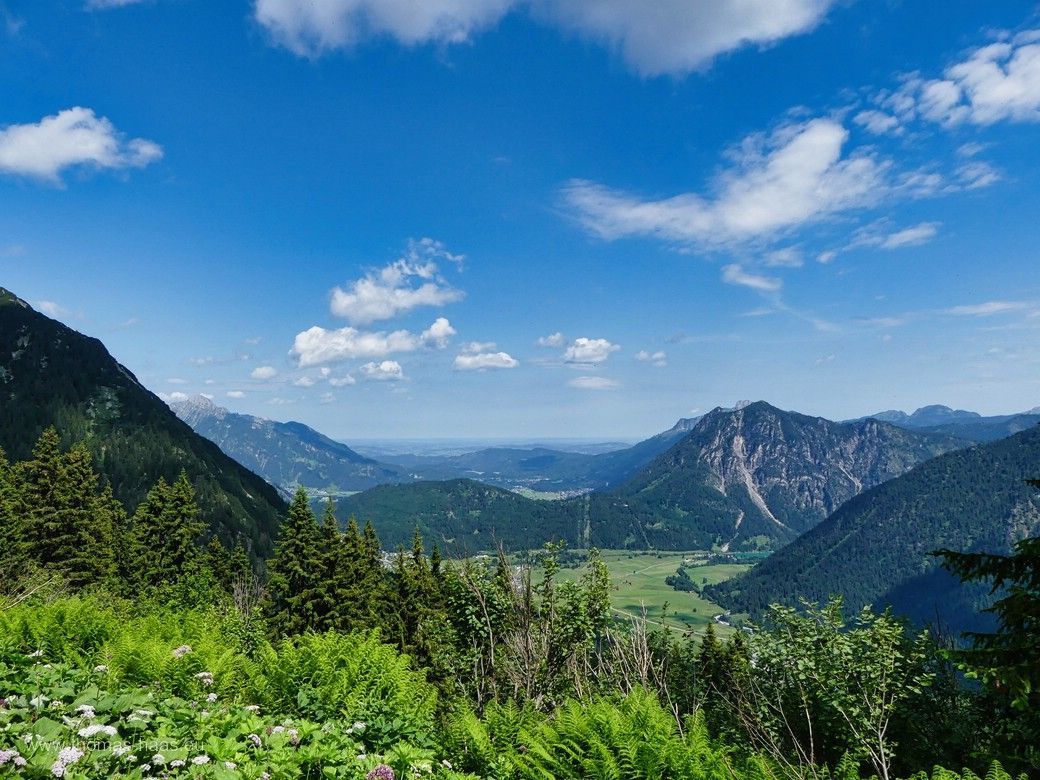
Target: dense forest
x=135, y=643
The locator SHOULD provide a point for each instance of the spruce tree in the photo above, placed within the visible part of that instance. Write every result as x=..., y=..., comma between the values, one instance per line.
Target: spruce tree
x=295, y=570
x=166, y=532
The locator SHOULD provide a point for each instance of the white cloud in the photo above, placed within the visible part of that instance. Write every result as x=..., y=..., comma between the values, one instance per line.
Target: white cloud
x=788, y=257
x=987, y=309
x=552, y=340
x=657, y=359
x=734, y=274
x=438, y=334
x=342, y=381
x=976, y=174
x=592, y=383
x=52, y=309
x=586, y=351
x=386, y=371
x=235, y=394
x=174, y=397
x=796, y=175
x=473, y=347
x=911, y=236
x=405, y=284
x=176, y=380
x=312, y=27
x=264, y=372
x=679, y=36
x=826, y=256
x=877, y=122
x=327, y=398
x=666, y=36
x=305, y=381
x=70, y=138
x=316, y=345
x=482, y=361
x=994, y=83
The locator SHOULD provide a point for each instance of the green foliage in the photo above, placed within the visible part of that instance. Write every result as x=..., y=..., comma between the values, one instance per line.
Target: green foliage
x=815, y=688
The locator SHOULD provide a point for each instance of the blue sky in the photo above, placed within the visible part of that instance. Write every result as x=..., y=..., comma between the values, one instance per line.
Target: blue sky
x=532, y=218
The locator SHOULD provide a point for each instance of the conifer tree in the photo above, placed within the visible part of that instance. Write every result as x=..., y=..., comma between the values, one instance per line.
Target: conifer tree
x=295, y=570
x=12, y=531
x=166, y=532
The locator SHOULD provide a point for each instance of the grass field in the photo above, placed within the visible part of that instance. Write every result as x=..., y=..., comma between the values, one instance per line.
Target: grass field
x=638, y=582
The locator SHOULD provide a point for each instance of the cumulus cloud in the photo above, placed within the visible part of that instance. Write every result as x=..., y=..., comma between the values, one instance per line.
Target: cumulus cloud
x=552, y=340
x=316, y=345
x=75, y=137
x=438, y=334
x=483, y=361
x=678, y=36
x=657, y=359
x=342, y=381
x=665, y=36
x=385, y=371
x=586, y=351
x=305, y=381
x=407, y=283
x=592, y=383
x=993, y=83
x=735, y=274
x=796, y=175
x=264, y=372
x=235, y=394
x=987, y=309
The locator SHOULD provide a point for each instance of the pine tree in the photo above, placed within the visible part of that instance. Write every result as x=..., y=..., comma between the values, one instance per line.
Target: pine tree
x=295, y=570
x=13, y=546
x=165, y=535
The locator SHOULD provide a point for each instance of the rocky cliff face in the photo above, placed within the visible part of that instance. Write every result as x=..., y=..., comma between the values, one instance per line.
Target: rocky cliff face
x=774, y=474
x=288, y=455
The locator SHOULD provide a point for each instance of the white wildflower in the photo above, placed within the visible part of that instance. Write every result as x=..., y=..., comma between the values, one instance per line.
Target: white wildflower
x=206, y=678
x=180, y=652
x=158, y=759
x=85, y=710
x=37, y=654
x=255, y=739
x=95, y=729
x=177, y=763
x=7, y=755
x=101, y=669
x=252, y=708
x=200, y=760
x=230, y=765
x=211, y=698
x=120, y=750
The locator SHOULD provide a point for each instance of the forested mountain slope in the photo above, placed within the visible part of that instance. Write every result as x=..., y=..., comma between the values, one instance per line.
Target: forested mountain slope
x=51, y=375
x=289, y=455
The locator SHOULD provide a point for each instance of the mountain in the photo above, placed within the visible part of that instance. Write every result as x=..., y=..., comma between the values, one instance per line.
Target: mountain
x=970, y=426
x=288, y=455
x=749, y=477
x=52, y=375
x=759, y=476
x=875, y=549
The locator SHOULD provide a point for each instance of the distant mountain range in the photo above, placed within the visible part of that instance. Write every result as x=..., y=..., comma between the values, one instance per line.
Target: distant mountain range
x=875, y=548
x=291, y=455
x=287, y=454
x=52, y=375
x=751, y=477
x=971, y=426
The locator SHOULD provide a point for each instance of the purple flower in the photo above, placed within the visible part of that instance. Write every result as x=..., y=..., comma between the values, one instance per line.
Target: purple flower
x=381, y=772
